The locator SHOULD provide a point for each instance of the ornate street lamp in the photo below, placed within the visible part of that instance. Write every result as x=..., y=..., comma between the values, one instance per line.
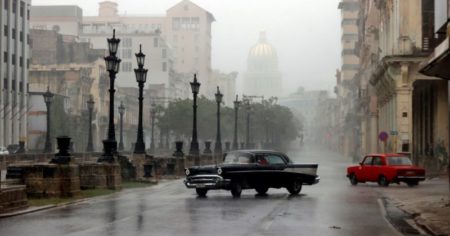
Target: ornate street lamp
x=48, y=98
x=218, y=145
x=195, y=86
x=236, y=108
x=153, y=115
x=121, y=112
x=141, y=77
x=112, y=66
x=90, y=106
x=248, y=108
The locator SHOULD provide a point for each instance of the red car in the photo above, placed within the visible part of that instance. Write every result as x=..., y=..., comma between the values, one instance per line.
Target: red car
x=386, y=169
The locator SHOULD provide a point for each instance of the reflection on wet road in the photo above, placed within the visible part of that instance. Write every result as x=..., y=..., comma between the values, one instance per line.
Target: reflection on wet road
x=332, y=207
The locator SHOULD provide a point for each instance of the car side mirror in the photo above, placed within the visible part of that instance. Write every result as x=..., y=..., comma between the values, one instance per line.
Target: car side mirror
x=360, y=163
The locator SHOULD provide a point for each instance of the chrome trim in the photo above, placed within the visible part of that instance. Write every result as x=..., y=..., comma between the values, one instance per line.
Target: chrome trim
x=410, y=177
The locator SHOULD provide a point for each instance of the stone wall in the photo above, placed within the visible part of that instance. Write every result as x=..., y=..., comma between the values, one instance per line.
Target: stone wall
x=50, y=180
x=100, y=175
x=12, y=198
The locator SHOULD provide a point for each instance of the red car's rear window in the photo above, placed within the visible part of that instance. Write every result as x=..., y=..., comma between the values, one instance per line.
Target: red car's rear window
x=399, y=161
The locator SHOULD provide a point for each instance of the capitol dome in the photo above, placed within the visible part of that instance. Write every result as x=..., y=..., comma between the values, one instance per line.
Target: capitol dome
x=263, y=77
x=262, y=49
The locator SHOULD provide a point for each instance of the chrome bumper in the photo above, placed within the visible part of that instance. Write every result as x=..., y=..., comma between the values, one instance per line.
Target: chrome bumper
x=206, y=181
x=316, y=181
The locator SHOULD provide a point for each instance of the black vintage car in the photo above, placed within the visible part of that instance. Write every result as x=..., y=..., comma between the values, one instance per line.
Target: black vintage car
x=252, y=169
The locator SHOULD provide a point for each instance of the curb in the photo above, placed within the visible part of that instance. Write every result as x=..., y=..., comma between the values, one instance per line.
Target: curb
x=42, y=208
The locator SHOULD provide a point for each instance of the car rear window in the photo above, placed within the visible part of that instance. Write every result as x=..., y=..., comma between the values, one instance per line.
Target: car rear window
x=399, y=161
x=237, y=158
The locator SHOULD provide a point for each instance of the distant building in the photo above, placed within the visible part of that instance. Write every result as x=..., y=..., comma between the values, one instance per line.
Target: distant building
x=179, y=41
x=73, y=71
x=14, y=54
x=304, y=106
x=227, y=84
x=263, y=77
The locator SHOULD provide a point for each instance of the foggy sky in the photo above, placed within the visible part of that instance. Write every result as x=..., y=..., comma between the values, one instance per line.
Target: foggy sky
x=305, y=33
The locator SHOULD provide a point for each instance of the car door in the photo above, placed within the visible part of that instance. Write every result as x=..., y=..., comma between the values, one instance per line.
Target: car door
x=276, y=165
x=376, y=168
x=366, y=168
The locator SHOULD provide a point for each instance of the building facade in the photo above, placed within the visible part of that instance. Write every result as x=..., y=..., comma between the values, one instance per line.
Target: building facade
x=177, y=42
x=14, y=60
x=263, y=77
x=345, y=77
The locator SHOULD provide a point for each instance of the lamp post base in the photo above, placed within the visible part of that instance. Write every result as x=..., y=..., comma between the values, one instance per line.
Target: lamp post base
x=109, y=149
x=139, y=148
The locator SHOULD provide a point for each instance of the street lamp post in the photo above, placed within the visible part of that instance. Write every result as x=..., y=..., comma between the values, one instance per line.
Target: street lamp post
x=218, y=144
x=112, y=66
x=236, y=109
x=48, y=97
x=121, y=112
x=90, y=106
x=247, y=137
x=141, y=77
x=195, y=86
x=153, y=115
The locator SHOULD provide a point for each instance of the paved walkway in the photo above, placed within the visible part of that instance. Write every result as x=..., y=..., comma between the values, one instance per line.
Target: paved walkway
x=428, y=203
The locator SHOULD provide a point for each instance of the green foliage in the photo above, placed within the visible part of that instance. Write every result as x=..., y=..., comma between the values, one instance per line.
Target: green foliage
x=269, y=122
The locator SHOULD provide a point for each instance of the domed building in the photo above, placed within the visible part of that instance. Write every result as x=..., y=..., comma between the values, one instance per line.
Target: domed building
x=262, y=78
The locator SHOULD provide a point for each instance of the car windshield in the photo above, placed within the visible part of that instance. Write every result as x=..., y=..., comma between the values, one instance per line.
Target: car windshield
x=399, y=161
x=237, y=158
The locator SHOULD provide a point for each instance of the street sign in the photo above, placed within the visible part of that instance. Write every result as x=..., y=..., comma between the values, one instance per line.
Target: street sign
x=394, y=132
x=383, y=136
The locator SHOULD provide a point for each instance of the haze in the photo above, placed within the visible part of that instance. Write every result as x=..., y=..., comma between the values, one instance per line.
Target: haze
x=305, y=33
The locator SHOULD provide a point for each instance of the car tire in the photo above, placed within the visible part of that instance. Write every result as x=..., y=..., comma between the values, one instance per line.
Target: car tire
x=236, y=189
x=413, y=183
x=295, y=187
x=201, y=192
x=353, y=179
x=262, y=190
x=382, y=181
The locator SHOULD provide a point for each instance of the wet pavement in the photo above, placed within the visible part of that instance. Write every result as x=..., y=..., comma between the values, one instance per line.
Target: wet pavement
x=332, y=207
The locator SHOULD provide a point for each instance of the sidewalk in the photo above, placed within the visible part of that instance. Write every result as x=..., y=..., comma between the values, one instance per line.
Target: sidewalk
x=428, y=203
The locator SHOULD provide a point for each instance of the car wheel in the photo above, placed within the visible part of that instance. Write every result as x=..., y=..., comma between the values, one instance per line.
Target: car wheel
x=236, y=189
x=201, y=192
x=261, y=190
x=382, y=181
x=295, y=187
x=413, y=183
x=353, y=179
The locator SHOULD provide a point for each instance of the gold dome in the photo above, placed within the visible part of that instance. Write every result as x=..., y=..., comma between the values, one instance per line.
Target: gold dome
x=262, y=49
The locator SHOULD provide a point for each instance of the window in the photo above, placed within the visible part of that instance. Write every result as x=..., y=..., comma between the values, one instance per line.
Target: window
x=176, y=23
x=5, y=83
x=28, y=14
x=126, y=53
x=5, y=30
x=164, y=66
x=6, y=5
x=368, y=161
x=21, y=61
x=21, y=36
x=13, y=59
x=22, y=9
x=14, y=6
x=28, y=63
x=127, y=43
x=21, y=86
x=155, y=42
x=377, y=161
x=13, y=32
x=126, y=66
x=13, y=85
x=274, y=159
x=5, y=57
x=237, y=158
x=28, y=39
x=164, y=53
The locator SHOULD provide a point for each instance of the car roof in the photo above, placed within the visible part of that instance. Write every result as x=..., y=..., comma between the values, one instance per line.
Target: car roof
x=387, y=154
x=256, y=151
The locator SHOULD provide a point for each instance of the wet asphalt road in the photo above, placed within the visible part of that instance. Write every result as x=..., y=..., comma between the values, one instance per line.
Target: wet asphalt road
x=332, y=207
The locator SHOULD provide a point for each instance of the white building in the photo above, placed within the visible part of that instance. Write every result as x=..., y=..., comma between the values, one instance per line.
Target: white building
x=14, y=60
